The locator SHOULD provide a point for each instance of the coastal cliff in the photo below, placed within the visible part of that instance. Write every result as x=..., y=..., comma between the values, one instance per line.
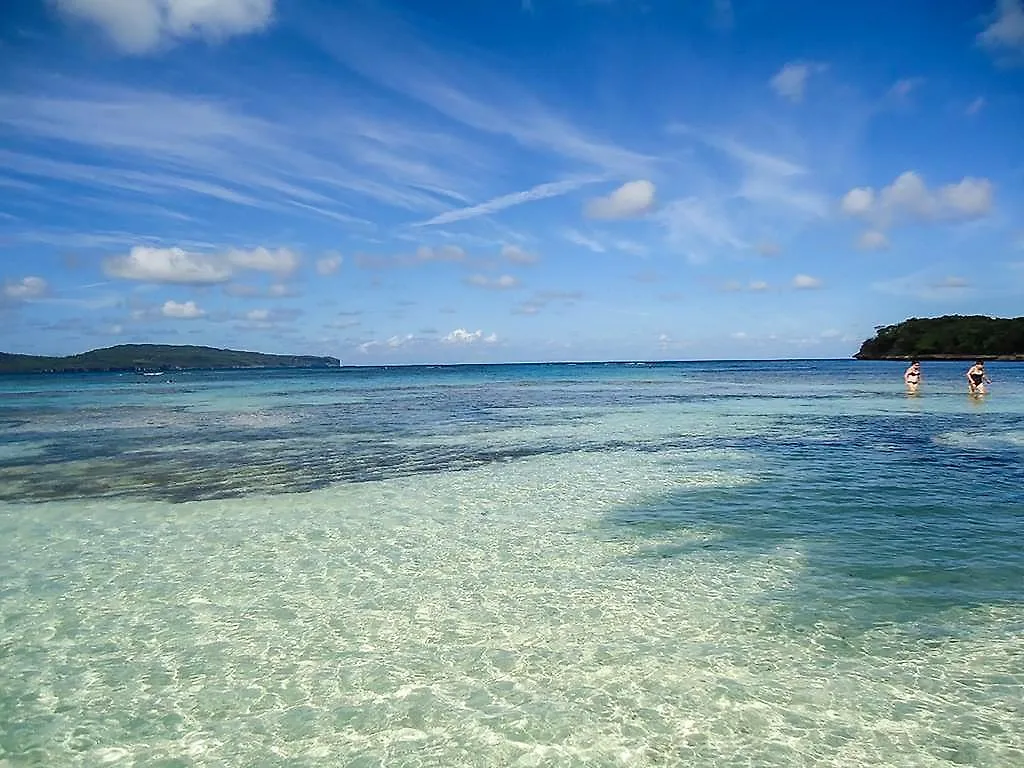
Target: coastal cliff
x=158, y=357
x=950, y=337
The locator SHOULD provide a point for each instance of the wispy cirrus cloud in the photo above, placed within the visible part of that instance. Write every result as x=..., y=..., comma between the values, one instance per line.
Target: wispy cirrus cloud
x=164, y=143
x=457, y=86
x=539, y=192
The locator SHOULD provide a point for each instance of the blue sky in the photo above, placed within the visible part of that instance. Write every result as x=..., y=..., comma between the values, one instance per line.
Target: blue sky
x=507, y=180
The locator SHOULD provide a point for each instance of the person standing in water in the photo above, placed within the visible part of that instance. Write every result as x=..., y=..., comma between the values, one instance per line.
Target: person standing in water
x=912, y=377
x=977, y=378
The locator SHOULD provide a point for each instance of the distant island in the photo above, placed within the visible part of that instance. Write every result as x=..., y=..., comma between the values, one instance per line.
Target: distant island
x=157, y=357
x=950, y=337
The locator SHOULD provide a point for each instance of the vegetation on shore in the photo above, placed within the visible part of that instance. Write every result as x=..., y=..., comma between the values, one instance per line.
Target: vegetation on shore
x=157, y=357
x=950, y=337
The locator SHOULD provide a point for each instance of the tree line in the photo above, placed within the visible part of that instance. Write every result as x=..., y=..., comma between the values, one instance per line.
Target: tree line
x=949, y=336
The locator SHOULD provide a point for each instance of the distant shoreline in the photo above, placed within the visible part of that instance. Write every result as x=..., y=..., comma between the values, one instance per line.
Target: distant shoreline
x=997, y=358
x=154, y=358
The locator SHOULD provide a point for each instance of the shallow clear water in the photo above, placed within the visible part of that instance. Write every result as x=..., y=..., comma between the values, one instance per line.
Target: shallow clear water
x=701, y=564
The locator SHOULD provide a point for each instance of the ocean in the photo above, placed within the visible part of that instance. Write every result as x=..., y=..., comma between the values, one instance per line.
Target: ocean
x=711, y=564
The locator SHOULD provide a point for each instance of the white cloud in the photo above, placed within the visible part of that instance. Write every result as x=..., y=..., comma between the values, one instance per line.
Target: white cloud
x=539, y=192
x=503, y=282
x=394, y=342
x=441, y=253
x=928, y=283
x=280, y=261
x=143, y=26
x=908, y=197
x=186, y=311
x=756, y=286
x=806, y=281
x=517, y=255
x=790, y=82
x=272, y=291
x=634, y=198
x=873, y=240
x=328, y=265
x=901, y=89
x=631, y=247
x=767, y=178
x=578, y=238
x=27, y=288
x=1006, y=31
x=462, y=336
x=178, y=266
x=975, y=106
x=697, y=227
x=168, y=265
x=858, y=201
x=970, y=198
x=257, y=315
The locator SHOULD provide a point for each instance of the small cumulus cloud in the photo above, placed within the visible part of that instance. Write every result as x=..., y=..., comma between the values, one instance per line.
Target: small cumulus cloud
x=182, y=311
x=790, y=82
x=264, y=318
x=805, y=282
x=168, y=265
x=26, y=289
x=735, y=286
x=872, y=240
x=634, y=198
x=440, y=253
x=249, y=291
x=501, y=283
x=909, y=198
x=902, y=89
x=975, y=106
x=180, y=267
x=517, y=255
x=544, y=299
x=328, y=265
x=280, y=261
x=858, y=201
x=1005, y=32
x=393, y=342
x=144, y=26
x=462, y=336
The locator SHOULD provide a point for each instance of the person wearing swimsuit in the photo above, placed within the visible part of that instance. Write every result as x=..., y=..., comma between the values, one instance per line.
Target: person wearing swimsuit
x=977, y=378
x=912, y=376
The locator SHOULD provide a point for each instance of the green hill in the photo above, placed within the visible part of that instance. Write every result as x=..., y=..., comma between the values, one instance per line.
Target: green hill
x=157, y=357
x=951, y=337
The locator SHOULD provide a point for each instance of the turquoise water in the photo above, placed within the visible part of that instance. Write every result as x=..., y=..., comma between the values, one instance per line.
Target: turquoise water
x=694, y=564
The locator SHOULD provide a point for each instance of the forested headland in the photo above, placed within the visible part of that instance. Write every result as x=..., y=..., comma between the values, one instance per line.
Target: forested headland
x=950, y=337
x=157, y=357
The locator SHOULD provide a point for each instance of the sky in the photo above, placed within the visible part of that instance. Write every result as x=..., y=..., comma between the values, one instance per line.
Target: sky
x=512, y=180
